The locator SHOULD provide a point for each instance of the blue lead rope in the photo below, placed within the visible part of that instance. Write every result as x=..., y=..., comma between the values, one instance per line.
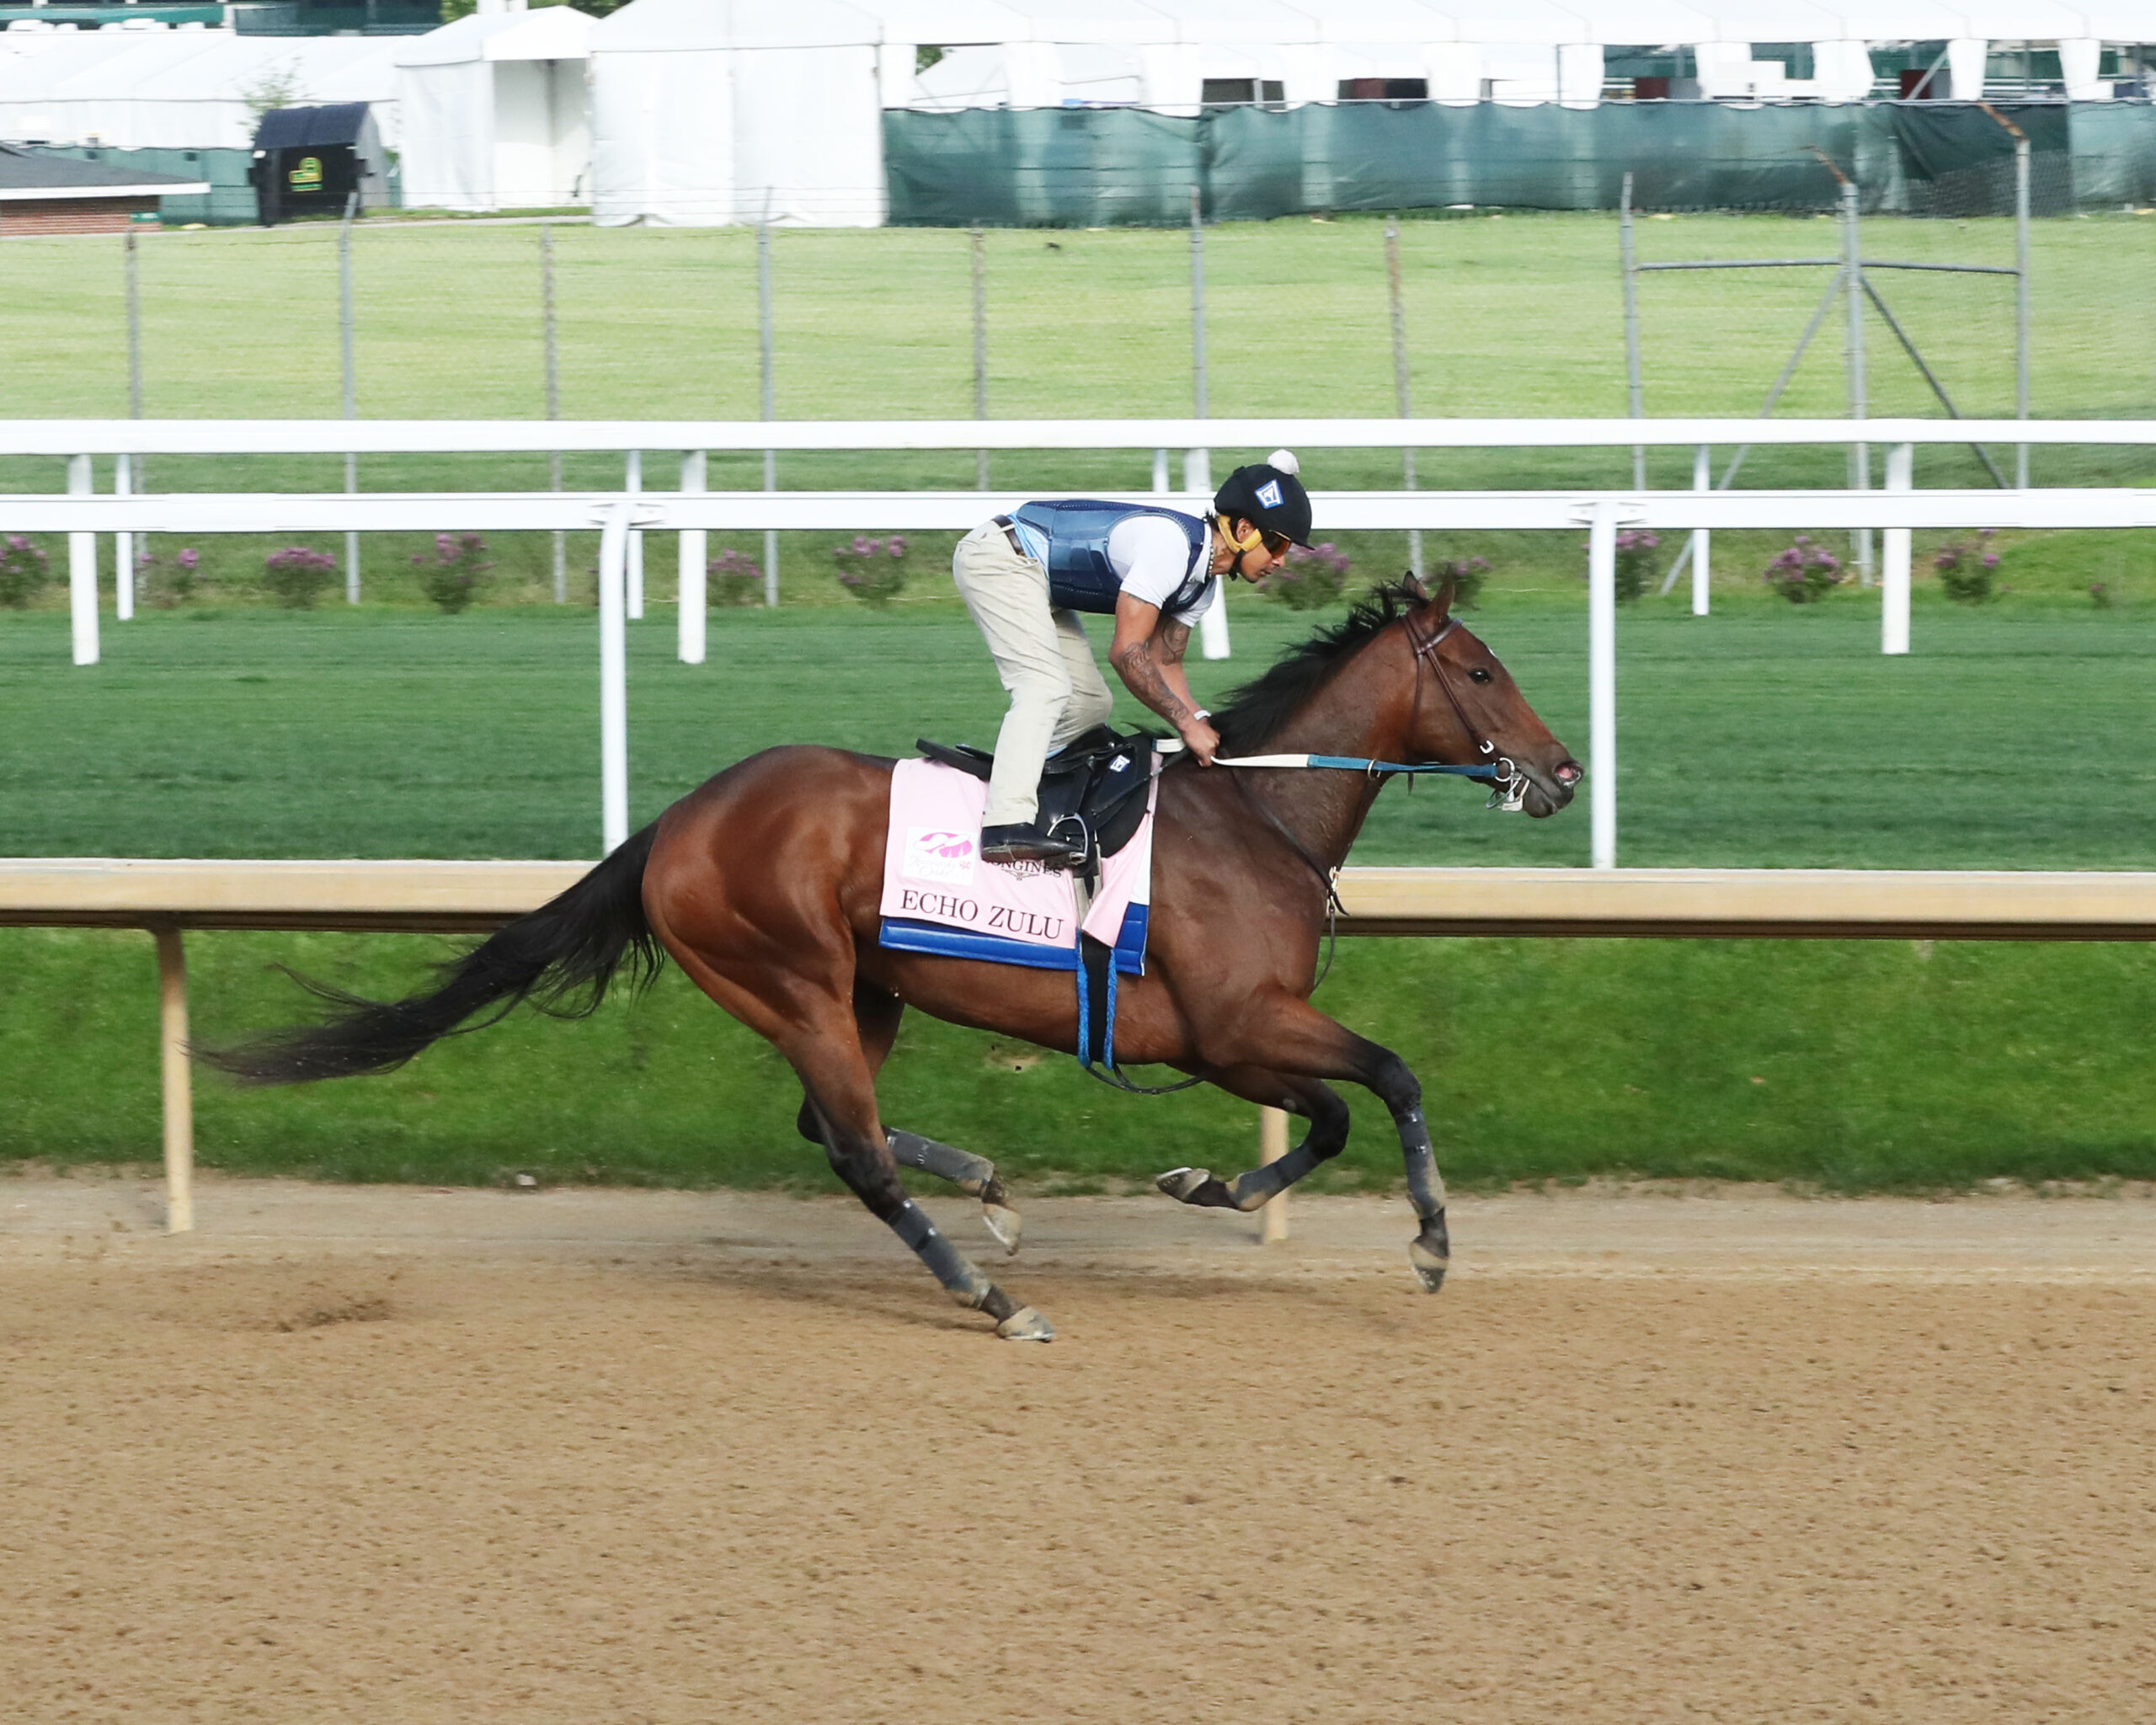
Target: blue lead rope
x=1339, y=763
x=1352, y=763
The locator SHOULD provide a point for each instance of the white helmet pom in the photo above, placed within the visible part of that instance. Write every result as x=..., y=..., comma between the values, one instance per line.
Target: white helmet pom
x=1283, y=460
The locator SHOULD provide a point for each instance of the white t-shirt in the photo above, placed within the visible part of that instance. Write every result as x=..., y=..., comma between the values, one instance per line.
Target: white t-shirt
x=1151, y=554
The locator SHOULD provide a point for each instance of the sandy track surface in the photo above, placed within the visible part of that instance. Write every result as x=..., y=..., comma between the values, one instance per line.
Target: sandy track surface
x=576, y=1456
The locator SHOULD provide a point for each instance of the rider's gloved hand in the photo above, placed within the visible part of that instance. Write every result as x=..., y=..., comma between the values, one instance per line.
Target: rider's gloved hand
x=1199, y=737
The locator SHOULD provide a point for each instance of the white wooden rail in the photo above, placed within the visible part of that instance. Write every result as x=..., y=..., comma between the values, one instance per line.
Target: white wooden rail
x=168, y=898
x=623, y=515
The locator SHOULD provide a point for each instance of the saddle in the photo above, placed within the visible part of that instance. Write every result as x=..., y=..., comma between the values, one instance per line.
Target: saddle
x=1092, y=789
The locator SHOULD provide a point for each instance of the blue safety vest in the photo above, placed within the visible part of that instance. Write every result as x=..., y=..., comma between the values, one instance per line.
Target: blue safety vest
x=1075, y=534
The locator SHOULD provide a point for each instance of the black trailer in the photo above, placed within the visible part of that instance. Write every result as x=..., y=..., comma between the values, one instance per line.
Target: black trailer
x=309, y=161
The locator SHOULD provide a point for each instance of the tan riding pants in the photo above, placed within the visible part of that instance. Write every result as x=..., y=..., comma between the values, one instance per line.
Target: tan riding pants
x=1045, y=662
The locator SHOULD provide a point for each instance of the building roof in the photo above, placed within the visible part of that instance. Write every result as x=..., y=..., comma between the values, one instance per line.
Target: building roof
x=25, y=174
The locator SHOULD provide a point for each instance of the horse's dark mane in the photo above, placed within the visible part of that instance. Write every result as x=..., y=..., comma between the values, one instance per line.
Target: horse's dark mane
x=1257, y=710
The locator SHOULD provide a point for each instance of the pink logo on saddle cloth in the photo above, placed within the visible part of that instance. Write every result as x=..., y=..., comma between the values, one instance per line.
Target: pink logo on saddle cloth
x=937, y=854
x=933, y=872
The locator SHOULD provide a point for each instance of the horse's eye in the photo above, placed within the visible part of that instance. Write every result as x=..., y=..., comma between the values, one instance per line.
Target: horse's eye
x=1478, y=675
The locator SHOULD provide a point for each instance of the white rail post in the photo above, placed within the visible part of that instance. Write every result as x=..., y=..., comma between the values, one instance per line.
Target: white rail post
x=178, y=1085
x=1161, y=471
x=1602, y=682
x=123, y=544
x=689, y=584
x=1272, y=1146
x=614, y=678
x=1894, y=566
x=83, y=569
x=632, y=482
x=1213, y=621
x=1702, y=480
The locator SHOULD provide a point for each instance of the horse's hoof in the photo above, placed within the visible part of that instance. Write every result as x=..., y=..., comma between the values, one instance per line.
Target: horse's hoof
x=1003, y=1222
x=1025, y=1325
x=1430, y=1266
x=1198, y=1186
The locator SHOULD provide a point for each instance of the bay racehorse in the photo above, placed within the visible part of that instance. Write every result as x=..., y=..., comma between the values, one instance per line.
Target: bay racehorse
x=765, y=886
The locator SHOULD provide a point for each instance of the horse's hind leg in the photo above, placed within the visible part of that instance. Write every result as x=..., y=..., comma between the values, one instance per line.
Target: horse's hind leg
x=813, y=1026
x=1312, y=1098
x=876, y=1012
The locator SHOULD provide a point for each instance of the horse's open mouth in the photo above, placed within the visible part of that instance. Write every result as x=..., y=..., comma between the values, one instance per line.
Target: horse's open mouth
x=1545, y=793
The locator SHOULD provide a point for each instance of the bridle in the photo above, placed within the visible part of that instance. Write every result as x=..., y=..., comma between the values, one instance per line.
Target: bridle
x=1510, y=787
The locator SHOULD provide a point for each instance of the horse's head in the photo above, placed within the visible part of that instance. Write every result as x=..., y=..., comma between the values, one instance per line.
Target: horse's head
x=1466, y=710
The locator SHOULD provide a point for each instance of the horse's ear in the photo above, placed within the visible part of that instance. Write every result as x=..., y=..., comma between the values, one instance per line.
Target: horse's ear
x=1412, y=585
x=1446, y=595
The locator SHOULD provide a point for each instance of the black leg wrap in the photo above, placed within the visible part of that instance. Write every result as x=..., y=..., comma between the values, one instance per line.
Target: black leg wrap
x=1431, y=1251
x=1246, y=1192
x=969, y=1172
x=966, y=1284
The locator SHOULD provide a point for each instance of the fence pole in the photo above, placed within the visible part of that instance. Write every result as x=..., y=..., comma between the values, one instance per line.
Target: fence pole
x=614, y=678
x=551, y=343
x=769, y=398
x=2021, y=300
x=123, y=544
x=1635, y=395
x=1602, y=682
x=123, y=563
x=1703, y=479
x=689, y=584
x=1400, y=389
x=1853, y=286
x=176, y=1061
x=1894, y=564
x=1272, y=1146
x=1198, y=463
x=632, y=482
x=351, y=383
x=980, y=348
x=83, y=569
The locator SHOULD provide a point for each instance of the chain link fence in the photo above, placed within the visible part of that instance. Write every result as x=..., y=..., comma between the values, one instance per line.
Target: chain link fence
x=1494, y=313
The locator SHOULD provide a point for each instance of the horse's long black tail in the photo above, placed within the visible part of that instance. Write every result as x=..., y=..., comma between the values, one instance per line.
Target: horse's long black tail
x=575, y=942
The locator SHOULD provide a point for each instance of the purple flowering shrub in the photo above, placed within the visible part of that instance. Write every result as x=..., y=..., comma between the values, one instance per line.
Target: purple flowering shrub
x=1468, y=575
x=734, y=578
x=1966, y=575
x=1806, y=572
x=162, y=585
x=24, y=569
x=456, y=574
x=295, y=576
x=1308, y=579
x=1635, y=550
x=872, y=570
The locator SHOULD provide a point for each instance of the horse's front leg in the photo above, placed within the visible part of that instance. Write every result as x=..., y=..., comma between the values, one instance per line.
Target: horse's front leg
x=1293, y=1040
x=1312, y=1098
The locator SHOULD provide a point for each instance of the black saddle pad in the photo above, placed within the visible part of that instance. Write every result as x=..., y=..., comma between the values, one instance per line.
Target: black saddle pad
x=1098, y=780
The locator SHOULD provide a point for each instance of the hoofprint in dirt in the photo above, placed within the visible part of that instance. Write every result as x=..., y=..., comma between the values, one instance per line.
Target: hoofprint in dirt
x=375, y=1454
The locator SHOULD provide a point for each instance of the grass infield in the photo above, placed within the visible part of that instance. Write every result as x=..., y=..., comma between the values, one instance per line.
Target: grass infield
x=2015, y=736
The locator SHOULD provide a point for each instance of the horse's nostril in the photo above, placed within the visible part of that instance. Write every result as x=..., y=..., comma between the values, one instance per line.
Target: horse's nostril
x=1570, y=772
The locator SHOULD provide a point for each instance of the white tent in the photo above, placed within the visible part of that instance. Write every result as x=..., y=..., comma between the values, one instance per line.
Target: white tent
x=179, y=89
x=1159, y=53
x=709, y=112
x=494, y=111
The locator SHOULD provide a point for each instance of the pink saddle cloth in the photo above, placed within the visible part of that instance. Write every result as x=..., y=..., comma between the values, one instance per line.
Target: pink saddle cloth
x=940, y=897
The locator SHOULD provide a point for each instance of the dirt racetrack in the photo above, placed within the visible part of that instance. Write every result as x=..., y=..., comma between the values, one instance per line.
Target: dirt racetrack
x=601, y=1456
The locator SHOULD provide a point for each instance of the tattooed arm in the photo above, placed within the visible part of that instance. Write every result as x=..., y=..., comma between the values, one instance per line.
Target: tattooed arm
x=1147, y=654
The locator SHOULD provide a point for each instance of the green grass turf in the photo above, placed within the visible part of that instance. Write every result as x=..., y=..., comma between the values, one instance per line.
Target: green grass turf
x=1511, y=315
x=1764, y=736
x=2014, y=737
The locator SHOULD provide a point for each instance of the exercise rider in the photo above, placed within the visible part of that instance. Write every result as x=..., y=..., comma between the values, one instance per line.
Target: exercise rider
x=1026, y=576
